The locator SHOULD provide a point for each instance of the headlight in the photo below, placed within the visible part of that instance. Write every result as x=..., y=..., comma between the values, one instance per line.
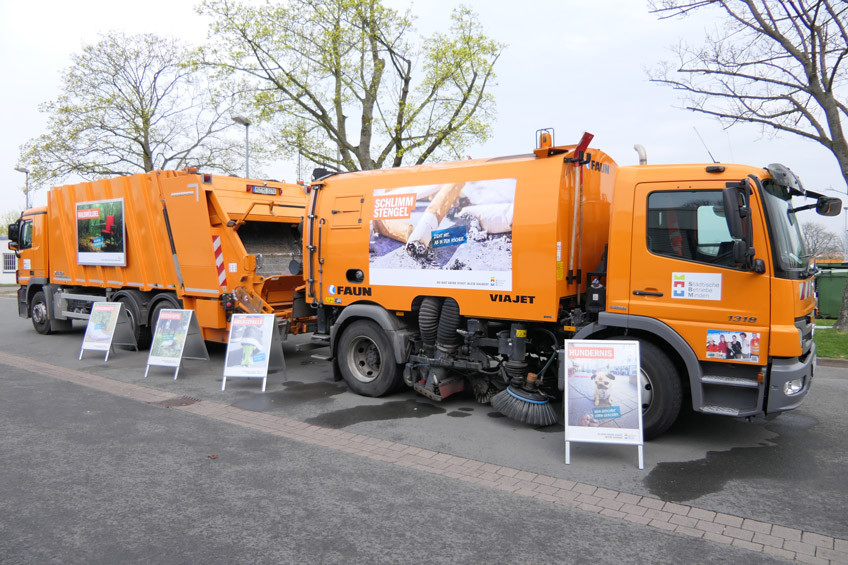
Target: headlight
x=791, y=388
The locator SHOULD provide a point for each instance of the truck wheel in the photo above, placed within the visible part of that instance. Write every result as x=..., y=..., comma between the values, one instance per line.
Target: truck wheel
x=154, y=315
x=38, y=311
x=662, y=392
x=366, y=360
x=141, y=333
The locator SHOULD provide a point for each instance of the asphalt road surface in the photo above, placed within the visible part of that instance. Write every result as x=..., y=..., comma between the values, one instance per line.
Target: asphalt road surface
x=94, y=477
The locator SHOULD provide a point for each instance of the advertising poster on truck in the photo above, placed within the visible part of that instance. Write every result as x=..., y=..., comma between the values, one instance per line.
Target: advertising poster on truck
x=455, y=235
x=603, y=395
x=736, y=345
x=100, y=233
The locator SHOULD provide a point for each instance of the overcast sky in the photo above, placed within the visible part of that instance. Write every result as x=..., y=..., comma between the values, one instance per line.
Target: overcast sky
x=572, y=65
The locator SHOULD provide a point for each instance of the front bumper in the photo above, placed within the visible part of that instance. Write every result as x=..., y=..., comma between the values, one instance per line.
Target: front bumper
x=785, y=370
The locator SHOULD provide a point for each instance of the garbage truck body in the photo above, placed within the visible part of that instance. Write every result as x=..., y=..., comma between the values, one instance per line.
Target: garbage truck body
x=469, y=276
x=164, y=239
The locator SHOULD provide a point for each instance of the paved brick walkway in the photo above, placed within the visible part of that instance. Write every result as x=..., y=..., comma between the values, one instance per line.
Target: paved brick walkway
x=753, y=535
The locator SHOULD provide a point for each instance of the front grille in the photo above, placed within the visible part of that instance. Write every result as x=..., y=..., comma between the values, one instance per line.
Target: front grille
x=804, y=325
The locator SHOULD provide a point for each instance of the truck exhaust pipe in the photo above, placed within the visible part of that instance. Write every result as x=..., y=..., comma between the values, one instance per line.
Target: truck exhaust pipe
x=643, y=155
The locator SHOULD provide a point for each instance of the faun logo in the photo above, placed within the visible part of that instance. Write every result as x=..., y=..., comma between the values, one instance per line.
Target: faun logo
x=353, y=290
x=593, y=165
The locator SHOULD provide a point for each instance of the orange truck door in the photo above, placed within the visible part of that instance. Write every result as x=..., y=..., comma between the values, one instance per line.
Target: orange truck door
x=32, y=262
x=683, y=273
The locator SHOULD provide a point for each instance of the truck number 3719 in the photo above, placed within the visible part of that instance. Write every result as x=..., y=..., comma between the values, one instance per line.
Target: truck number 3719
x=744, y=319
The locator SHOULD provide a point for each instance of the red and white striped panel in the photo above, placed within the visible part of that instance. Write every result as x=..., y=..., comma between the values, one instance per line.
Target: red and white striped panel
x=219, y=261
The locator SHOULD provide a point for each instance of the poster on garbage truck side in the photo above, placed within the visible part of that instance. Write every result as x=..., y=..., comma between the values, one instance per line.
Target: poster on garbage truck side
x=100, y=233
x=454, y=235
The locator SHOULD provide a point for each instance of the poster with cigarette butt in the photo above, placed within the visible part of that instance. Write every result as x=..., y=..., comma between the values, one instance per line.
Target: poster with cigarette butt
x=454, y=235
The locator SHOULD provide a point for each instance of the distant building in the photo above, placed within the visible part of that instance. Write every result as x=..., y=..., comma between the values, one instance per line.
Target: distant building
x=10, y=262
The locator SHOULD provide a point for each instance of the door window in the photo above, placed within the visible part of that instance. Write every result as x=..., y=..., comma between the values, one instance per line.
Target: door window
x=690, y=225
x=26, y=235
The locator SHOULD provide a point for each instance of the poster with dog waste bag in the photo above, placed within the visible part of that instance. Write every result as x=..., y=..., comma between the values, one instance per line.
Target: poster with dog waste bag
x=603, y=400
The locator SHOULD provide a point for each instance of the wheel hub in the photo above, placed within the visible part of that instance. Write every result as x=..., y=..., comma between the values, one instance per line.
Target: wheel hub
x=647, y=391
x=39, y=313
x=364, y=359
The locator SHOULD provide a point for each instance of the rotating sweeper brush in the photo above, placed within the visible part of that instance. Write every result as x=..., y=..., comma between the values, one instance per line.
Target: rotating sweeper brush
x=527, y=407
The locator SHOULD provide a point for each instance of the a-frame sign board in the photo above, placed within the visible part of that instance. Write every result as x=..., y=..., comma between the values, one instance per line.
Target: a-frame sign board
x=254, y=348
x=108, y=325
x=177, y=337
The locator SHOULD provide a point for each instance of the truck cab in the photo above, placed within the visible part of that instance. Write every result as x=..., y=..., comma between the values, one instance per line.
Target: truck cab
x=707, y=266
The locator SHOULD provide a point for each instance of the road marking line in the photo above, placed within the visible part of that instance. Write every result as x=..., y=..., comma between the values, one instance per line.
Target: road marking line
x=726, y=529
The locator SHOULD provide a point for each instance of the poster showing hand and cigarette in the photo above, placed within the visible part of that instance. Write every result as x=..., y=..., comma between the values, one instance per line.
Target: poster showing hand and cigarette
x=454, y=235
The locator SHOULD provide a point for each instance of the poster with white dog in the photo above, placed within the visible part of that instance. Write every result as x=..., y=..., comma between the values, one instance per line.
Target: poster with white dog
x=603, y=400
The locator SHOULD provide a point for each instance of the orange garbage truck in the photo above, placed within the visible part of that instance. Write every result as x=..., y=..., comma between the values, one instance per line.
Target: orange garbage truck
x=469, y=276
x=164, y=239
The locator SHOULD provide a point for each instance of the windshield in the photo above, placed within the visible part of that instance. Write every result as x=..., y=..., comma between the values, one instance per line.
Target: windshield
x=790, y=250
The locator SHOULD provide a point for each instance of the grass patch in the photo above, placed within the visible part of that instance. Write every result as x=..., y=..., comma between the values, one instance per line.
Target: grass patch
x=832, y=343
x=824, y=322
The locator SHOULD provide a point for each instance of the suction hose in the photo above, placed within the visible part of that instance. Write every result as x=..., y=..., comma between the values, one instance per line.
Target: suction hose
x=428, y=319
x=447, y=337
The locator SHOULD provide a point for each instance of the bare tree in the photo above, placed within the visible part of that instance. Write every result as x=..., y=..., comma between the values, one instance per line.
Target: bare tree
x=777, y=63
x=129, y=104
x=337, y=79
x=780, y=64
x=823, y=243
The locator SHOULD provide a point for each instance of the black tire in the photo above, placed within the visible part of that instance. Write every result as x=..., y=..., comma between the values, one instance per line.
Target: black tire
x=366, y=360
x=38, y=312
x=141, y=333
x=154, y=314
x=168, y=302
x=662, y=390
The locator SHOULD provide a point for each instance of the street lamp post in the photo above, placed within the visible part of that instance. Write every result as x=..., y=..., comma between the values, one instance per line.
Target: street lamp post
x=26, y=186
x=246, y=123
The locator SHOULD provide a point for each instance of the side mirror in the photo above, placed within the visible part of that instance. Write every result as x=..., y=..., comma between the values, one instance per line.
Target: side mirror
x=14, y=233
x=737, y=213
x=826, y=206
x=740, y=252
x=735, y=209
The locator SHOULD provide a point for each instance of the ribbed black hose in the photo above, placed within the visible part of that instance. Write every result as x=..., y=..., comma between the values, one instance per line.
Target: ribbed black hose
x=448, y=324
x=428, y=319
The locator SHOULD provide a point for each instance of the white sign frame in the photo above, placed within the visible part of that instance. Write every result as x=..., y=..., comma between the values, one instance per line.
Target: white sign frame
x=260, y=333
x=187, y=342
x=603, y=394
x=102, y=338
x=418, y=216
x=101, y=258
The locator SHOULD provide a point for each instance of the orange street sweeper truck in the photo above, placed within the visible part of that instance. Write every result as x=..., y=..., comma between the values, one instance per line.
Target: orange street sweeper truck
x=470, y=275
